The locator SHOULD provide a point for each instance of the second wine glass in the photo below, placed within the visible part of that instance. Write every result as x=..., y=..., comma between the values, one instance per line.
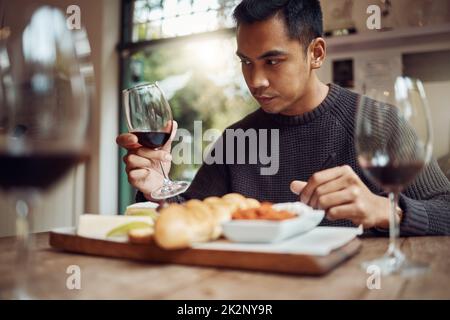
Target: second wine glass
x=393, y=142
x=149, y=117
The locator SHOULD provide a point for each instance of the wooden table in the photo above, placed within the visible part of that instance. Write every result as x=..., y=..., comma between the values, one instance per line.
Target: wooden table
x=103, y=278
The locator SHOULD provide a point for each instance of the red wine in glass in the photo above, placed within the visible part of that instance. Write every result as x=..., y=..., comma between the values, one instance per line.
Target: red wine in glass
x=394, y=177
x=152, y=139
x=39, y=171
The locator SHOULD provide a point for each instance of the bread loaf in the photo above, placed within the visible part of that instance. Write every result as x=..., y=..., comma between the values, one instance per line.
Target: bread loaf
x=141, y=236
x=179, y=226
x=172, y=229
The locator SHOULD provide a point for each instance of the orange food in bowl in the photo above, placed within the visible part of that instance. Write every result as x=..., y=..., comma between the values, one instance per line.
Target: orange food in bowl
x=263, y=212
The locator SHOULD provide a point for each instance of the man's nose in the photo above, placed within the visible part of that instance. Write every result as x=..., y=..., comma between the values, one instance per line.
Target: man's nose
x=258, y=80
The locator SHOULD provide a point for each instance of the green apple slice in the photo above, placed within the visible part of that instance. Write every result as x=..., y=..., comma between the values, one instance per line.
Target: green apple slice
x=123, y=229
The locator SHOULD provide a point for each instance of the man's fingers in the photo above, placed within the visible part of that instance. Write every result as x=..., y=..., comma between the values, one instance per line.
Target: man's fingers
x=167, y=146
x=297, y=186
x=159, y=155
x=128, y=141
x=326, y=188
x=345, y=211
x=135, y=176
x=133, y=161
x=138, y=177
x=337, y=198
x=349, y=212
x=318, y=179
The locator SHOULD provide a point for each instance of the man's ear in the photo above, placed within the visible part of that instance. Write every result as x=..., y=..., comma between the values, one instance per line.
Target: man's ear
x=317, y=51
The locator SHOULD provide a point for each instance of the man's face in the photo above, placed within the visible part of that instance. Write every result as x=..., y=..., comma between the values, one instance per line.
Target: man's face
x=274, y=66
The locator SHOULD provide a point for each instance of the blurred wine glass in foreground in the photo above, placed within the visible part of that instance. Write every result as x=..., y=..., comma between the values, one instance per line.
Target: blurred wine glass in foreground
x=393, y=142
x=43, y=118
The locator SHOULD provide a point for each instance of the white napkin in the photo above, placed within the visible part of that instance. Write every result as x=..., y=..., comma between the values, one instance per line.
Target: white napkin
x=318, y=242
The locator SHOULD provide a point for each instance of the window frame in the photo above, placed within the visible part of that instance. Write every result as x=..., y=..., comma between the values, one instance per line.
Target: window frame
x=125, y=49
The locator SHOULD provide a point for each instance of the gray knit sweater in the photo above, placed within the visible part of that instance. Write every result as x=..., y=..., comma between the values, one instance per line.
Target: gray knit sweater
x=305, y=142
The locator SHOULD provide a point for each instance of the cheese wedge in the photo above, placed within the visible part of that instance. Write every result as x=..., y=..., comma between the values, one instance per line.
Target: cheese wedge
x=98, y=226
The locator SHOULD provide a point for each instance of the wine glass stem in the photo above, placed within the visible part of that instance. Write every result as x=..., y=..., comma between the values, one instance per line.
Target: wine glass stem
x=167, y=183
x=394, y=228
x=23, y=207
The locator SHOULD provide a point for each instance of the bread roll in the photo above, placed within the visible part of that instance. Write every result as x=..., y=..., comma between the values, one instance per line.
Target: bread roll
x=193, y=203
x=225, y=205
x=222, y=213
x=178, y=226
x=172, y=229
x=252, y=203
x=141, y=236
x=202, y=220
x=235, y=200
x=212, y=200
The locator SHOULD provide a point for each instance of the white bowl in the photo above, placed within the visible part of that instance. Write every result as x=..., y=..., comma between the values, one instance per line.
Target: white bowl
x=273, y=231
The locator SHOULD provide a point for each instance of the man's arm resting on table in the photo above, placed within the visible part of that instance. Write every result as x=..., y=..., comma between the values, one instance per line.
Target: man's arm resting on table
x=426, y=204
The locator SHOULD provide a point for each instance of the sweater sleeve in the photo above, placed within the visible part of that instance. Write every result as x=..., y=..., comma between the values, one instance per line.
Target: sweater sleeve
x=426, y=204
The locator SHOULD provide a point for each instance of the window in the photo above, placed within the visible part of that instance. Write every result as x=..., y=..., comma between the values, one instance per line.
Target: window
x=189, y=48
x=156, y=19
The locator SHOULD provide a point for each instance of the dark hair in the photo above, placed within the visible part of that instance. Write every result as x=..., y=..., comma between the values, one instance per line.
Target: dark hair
x=303, y=18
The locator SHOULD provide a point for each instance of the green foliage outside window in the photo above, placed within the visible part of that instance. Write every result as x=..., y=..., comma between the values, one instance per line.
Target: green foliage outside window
x=203, y=82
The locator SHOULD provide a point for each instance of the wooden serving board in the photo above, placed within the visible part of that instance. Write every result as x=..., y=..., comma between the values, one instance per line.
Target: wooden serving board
x=257, y=261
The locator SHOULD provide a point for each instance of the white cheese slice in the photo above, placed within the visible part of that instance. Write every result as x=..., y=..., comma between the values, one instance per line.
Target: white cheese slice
x=144, y=205
x=97, y=226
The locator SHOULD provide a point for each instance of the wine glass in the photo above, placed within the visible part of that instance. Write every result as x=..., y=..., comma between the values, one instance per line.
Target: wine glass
x=393, y=142
x=149, y=117
x=43, y=120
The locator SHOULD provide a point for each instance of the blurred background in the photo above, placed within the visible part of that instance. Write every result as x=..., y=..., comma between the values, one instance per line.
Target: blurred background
x=188, y=47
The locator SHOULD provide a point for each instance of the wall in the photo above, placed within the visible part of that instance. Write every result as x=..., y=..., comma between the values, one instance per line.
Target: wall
x=437, y=87
x=402, y=13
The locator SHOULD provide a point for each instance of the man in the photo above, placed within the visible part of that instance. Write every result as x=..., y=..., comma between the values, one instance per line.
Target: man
x=280, y=45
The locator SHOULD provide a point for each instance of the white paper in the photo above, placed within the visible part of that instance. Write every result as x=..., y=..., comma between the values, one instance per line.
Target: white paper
x=376, y=71
x=319, y=242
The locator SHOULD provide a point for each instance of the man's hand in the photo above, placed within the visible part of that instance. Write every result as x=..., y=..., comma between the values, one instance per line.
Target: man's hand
x=341, y=193
x=142, y=164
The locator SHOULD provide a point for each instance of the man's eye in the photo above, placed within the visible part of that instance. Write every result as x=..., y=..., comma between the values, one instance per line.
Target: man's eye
x=246, y=62
x=273, y=62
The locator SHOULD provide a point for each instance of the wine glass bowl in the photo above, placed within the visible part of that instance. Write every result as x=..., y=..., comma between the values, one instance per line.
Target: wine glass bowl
x=44, y=113
x=147, y=110
x=44, y=105
x=394, y=144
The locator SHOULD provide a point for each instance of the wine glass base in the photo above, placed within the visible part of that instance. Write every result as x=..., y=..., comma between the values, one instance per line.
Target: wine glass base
x=22, y=294
x=396, y=263
x=172, y=189
x=16, y=294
